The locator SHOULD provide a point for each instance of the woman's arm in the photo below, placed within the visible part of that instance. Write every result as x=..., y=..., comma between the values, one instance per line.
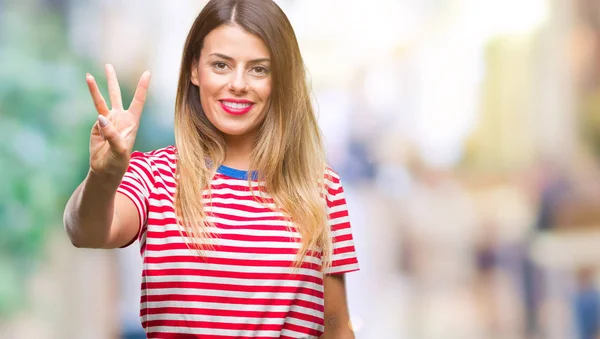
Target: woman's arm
x=96, y=216
x=337, y=317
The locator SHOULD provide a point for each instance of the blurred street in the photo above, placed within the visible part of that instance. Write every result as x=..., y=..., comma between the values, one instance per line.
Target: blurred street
x=466, y=134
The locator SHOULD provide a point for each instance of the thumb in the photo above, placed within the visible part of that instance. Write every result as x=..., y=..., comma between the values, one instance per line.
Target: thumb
x=110, y=133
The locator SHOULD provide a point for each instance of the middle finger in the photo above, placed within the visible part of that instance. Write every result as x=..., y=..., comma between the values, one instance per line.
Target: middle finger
x=114, y=91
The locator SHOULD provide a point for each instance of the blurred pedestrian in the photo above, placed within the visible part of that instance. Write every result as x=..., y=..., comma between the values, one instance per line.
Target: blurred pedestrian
x=586, y=305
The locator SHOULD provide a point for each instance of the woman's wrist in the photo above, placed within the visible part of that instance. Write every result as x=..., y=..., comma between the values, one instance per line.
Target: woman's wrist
x=103, y=183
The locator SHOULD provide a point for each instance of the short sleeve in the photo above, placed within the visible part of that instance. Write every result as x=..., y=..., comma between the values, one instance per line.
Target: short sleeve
x=344, y=257
x=137, y=184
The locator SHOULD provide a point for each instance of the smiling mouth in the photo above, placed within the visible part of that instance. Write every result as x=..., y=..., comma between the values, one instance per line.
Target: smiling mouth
x=236, y=108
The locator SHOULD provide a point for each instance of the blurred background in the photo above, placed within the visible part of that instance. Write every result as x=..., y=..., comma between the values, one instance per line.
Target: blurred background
x=466, y=132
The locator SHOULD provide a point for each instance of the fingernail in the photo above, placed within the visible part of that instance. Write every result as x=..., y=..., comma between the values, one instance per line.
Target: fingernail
x=102, y=121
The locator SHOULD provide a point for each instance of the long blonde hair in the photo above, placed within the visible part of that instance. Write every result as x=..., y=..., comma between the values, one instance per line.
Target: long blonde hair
x=288, y=154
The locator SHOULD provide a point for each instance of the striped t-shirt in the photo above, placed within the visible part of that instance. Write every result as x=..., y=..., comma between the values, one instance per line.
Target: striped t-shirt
x=245, y=285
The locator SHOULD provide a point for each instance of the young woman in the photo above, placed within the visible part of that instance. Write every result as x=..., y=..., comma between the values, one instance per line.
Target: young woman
x=243, y=228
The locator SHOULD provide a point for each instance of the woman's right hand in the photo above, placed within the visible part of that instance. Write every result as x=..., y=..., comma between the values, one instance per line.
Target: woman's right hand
x=113, y=135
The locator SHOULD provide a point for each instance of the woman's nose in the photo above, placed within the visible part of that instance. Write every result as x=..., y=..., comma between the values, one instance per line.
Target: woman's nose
x=238, y=82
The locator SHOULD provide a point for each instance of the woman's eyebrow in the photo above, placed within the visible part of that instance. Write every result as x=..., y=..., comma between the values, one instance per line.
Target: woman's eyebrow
x=228, y=58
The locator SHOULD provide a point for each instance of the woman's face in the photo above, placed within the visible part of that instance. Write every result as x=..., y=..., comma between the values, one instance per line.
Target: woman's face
x=234, y=79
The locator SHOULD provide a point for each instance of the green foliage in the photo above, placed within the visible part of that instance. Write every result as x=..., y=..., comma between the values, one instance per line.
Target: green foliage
x=46, y=114
x=45, y=119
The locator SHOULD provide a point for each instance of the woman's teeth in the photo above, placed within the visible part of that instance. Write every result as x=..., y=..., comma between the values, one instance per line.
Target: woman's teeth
x=236, y=105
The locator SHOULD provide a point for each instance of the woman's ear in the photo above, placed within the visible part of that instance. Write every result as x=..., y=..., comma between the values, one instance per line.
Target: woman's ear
x=194, y=74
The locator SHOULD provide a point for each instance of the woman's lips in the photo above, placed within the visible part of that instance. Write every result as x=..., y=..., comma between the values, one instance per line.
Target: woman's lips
x=236, y=108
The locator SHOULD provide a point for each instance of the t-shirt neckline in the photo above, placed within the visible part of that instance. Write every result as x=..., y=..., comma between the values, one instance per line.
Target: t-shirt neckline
x=236, y=173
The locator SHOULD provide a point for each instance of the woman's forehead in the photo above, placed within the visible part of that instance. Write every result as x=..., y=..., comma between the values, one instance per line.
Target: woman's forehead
x=234, y=42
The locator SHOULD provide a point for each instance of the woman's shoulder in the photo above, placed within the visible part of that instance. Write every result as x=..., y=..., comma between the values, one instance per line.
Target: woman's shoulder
x=332, y=178
x=161, y=156
x=164, y=153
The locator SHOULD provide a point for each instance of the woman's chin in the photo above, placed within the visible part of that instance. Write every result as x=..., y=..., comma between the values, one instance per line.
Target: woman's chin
x=235, y=131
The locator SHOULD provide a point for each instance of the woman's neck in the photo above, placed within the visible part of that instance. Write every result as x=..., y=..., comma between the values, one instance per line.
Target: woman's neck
x=238, y=152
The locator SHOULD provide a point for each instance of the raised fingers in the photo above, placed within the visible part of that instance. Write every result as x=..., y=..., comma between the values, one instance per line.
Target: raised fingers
x=114, y=91
x=96, y=95
x=139, y=97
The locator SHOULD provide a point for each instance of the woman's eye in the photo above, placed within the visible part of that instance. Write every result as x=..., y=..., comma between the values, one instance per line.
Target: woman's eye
x=260, y=70
x=220, y=65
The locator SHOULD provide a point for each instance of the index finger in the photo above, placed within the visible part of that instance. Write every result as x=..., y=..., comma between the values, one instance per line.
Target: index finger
x=139, y=97
x=96, y=95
